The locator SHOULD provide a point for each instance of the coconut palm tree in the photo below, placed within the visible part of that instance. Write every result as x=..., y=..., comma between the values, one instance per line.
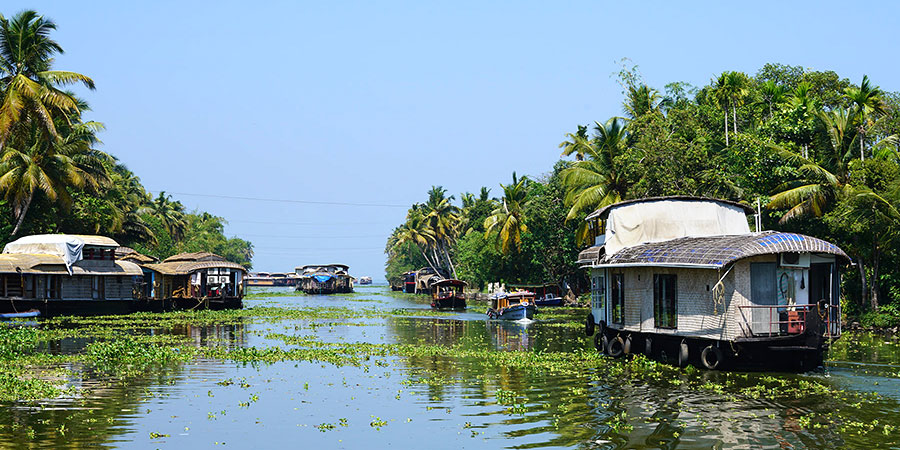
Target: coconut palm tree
x=443, y=220
x=772, y=94
x=34, y=162
x=414, y=231
x=867, y=103
x=640, y=99
x=28, y=86
x=576, y=143
x=723, y=97
x=170, y=213
x=508, y=219
x=597, y=181
x=738, y=88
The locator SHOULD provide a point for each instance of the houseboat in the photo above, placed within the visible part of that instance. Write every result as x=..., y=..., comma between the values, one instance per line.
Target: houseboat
x=448, y=294
x=324, y=279
x=420, y=281
x=365, y=280
x=259, y=279
x=194, y=281
x=544, y=294
x=682, y=279
x=59, y=274
x=512, y=306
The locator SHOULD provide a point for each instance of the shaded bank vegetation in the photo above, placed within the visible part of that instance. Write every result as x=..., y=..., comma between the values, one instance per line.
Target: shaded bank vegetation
x=53, y=178
x=818, y=151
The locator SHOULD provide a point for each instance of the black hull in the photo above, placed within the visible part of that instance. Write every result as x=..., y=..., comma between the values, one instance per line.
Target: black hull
x=53, y=308
x=449, y=303
x=794, y=353
x=324, y=290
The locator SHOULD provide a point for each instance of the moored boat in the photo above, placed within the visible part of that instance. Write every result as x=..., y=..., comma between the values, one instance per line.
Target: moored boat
x=544, y=294
x=365, y=280
x=259, y=279
x=448, y=294
x=197, y=280
x=324, y=279
x=512, y=306
x=682, y=279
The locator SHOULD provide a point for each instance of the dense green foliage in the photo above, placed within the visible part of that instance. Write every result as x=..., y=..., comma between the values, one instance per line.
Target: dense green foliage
x=817, y=151
x=54, y=180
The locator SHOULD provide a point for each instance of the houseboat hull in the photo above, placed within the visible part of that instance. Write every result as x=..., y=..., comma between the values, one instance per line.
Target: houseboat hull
x=557, y=301
x=798, y=353
x=453, y=302
x=515, y=312
x=59, y=307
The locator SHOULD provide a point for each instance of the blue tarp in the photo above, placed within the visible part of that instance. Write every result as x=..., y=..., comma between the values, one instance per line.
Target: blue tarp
x=323, y=278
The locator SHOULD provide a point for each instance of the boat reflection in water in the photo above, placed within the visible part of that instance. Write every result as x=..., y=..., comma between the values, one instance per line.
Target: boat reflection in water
x=510, y=335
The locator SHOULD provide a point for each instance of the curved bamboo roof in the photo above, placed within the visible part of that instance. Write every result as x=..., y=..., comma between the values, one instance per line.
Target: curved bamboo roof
x=185, y=263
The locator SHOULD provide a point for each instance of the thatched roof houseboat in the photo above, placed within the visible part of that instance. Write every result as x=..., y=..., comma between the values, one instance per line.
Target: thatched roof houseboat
x=683, y=279
x=195, y=280
x=58, y=274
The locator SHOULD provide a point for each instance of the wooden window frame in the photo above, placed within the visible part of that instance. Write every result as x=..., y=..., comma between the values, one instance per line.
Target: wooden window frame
x=617, y=298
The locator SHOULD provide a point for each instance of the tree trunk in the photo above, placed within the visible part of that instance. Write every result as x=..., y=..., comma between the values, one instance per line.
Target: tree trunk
x=734, y=111
x=726, y=126
x=862, y=277
x=862, y=140
x=22, y=214
x=429, y=261
x=876, y=257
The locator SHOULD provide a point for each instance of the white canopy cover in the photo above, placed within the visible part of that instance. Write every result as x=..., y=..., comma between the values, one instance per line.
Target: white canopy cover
x=662, y=220
x=65, y=246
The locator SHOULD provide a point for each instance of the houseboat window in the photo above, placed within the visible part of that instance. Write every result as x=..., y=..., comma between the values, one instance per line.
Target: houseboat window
x=665, y=301
x=598, y=291
x=617, y=297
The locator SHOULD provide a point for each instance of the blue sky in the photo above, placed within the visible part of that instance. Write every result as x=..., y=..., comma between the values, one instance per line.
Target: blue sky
x=365, y=102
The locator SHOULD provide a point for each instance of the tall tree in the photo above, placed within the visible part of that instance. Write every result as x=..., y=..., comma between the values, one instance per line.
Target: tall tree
x=28, y=86
x=867, y=103
x=508, y=219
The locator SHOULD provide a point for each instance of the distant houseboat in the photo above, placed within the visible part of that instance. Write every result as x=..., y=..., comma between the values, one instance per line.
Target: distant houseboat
x=195, y=281
x=448, y=294
x=683, y=279
x=512, y=306
x=544, y=294
x=365, y=280
x=324, y=279
x=259, y=279
x=59, y=274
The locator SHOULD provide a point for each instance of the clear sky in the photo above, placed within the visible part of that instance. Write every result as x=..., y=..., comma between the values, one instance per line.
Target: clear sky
x=375, y=102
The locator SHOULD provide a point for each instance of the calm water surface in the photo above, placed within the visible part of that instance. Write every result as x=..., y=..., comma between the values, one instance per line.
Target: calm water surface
x=441, y=402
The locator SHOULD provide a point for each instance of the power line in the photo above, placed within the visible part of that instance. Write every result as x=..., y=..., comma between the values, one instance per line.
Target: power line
x=295, y=236
x=308, y=223
x=281, y=200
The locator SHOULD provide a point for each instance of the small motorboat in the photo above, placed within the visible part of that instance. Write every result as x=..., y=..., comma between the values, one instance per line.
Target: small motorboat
x=448, y=294
x=512, y=306
x=31, y=313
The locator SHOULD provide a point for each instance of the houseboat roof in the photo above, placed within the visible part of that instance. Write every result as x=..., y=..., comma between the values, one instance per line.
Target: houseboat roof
x=709, y=251
x=130, y=254
x=51, y=264
x=320, y=266
x=603, y=212
x=185, y=263
x=450, y=282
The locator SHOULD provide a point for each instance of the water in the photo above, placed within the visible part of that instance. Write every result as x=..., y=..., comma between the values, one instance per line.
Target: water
x=464, y=400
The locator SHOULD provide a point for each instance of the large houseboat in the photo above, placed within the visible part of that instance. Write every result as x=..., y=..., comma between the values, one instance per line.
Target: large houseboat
x=59, y=274
x=683, y=279
x=194, y=281
x=324, y=279
x=420, y=281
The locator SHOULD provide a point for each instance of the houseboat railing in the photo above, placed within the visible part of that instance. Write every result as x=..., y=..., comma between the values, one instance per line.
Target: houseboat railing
x=781, y=320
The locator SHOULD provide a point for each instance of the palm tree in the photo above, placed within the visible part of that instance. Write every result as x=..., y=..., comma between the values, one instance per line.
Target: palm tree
x=772, y=94
x=33, y=162
x=27, y=85
x=738, y=84
x=509, y=218
x=866, y=101
x=576, y=143
x=824, y=183
x=443, y=220
x=640, y=99
x=170, y=213
x=723, y=97
x=414, y=232
x=598, y=180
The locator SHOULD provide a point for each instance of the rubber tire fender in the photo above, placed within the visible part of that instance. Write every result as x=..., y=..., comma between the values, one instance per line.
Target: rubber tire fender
x=716, y=354
x=589, y=325
x=683, y=354
x=626, y=346
x=616, y=347
x=598, y=344
x=604, y=343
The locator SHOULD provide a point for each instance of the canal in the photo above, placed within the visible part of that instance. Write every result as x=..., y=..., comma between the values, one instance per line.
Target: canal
x=377, y=369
